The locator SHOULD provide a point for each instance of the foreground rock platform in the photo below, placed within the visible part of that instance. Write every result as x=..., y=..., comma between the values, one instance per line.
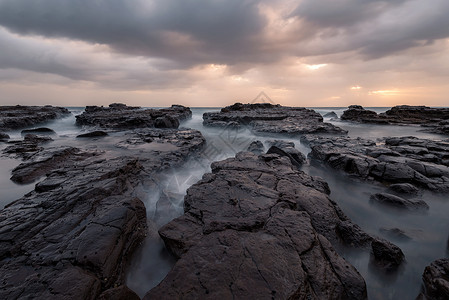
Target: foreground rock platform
x=16, y=117
x=73, y=236
x=434, y=119
x=263, y=118
x=121, y=116
x=407, y=160
x=258, y=228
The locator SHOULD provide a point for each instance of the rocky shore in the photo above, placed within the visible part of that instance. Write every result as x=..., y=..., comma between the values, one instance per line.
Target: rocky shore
x=265, y=118
x=434, y=120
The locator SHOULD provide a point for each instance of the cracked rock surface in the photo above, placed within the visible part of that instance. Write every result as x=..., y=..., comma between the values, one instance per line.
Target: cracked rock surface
x=257, y=228
x=268, y=118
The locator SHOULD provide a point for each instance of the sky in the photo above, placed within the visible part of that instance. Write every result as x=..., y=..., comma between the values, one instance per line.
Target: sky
x=212, y=53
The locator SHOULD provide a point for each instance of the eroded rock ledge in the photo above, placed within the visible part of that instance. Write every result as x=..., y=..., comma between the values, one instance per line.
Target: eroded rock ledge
x=119, y=115
x=72, y=237
x=15, y=117
x=268, y=118
x=257, y=228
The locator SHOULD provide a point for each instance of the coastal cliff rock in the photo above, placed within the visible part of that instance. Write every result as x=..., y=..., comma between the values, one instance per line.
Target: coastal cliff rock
x=267, y=118
x=423, y=163
x=258, y=228
x=120, y=116
x=15, y=117
x=72, y=237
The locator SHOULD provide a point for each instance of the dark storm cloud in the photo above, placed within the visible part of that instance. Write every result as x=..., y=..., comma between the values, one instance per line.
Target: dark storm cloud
x=186, y=31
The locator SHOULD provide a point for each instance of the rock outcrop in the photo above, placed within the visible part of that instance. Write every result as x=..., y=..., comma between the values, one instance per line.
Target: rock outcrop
x=436, y=281
x=15, y=117
x=258, y=228
x=265, y=118
x=433, y=119
x=421, y=162
x=72, y=237
x=120, y=116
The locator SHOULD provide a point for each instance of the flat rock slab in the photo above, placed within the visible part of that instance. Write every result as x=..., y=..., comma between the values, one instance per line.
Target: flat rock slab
x=120, y=116
x=421, y=162
x=72, y=237
x=433, y=119
x=257, y=228
x=268, y=118
x=15, y=117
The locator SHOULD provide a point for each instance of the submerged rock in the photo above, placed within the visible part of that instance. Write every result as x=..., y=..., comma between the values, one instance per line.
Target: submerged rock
x=388, y=255
x=396, y=201
x=331, y=114
x=406, y=189
x=255, y=228
x=15, y=117
x=436, y=280
x=268, y=118
x=125, y=117
x=40, y=130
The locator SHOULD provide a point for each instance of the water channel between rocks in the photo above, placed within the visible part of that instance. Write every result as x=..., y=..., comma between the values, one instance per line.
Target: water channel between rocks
x=428, y=231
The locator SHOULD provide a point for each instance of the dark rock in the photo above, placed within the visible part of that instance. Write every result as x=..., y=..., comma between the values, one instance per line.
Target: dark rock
x=30, y=145
x=15, y=117
x=40, y=130
x=256, y=147
x=287, y=149
x=255, y=228
x=395, y=233
x=265, y=118
x=359, y=114
x=364, y=159
x=331, y=115
x=125, y=117
x=97, y=133
x=388, y=255
x=166, y=122
x=72, y=237
x=3, y=137
x=436, y=280
x=396, y=201
x=406, y=189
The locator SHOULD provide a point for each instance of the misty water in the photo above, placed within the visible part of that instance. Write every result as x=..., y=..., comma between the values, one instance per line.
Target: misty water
x=151, y=263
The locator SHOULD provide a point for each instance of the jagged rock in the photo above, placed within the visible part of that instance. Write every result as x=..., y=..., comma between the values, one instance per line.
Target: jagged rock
x=72, y=237
x=287, y=149
x=255, y=228
x=40, y=130
x=366, y=160
x=15, y=117
x=97, y=133
x=388, y=255
x=331, y=115
x=265, y=118
x=406, y=189
x=359, y=114
x=125, y=117
x=3, y=137
x=396, y=201
x=436, y=281
x=256, y=147
x=29, y=146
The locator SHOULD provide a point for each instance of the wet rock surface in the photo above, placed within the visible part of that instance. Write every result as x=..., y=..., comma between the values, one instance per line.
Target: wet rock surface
x=40, y=130
x=436, y=280
x=266, y=118
x=433, y=119
x=421, y=162
x=398, y=202
x=26, y=148
x=15, y=117
x=92, y=134
x=125, y=117
x=257, y=227
x=72, y=237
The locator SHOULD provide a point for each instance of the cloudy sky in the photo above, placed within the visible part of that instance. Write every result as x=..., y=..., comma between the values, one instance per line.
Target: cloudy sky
x=217, y=52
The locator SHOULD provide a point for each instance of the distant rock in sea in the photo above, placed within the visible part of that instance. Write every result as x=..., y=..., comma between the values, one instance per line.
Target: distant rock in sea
x=15, y=117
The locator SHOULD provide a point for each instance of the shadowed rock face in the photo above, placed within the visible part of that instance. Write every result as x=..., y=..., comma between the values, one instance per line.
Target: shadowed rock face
x=15, y=117
x=268, y=118
x=434, y=119
x=72, y=237
x=436, y=280
x=258, y=228
x=421, y=162
x=122, y=116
